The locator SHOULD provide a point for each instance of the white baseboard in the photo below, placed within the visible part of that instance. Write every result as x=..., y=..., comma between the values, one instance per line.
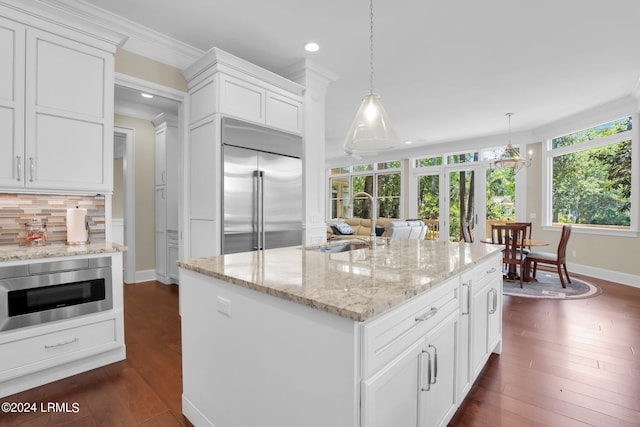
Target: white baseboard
x=145, y=276
x=193, y=414
x=601, y=273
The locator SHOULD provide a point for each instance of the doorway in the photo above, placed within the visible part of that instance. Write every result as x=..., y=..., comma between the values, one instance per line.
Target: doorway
x=130, y=103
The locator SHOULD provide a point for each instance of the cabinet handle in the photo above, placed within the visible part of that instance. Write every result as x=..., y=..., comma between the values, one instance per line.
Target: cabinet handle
x=164, y=179
x=428, y=370
x=61, y=344
x=429, y=314
x=435, y=364
x=19, y=166
x=493, y=270
x=466, y=313
x=494, y=301
x=32, y=167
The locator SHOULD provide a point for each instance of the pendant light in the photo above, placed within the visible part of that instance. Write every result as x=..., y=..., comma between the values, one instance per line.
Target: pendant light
x=510, y=157
x=371, y=131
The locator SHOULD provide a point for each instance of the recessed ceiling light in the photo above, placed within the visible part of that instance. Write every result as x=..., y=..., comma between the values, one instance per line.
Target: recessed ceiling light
x=146, y=95
x=312, y=47
x=408, y=142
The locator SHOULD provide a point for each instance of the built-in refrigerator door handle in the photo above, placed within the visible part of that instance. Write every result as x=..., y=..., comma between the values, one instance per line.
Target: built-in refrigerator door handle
x=262, y=232
x=256, y=214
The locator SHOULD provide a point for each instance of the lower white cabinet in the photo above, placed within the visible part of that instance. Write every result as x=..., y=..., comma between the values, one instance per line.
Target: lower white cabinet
x=439, y=387
x=480, y=321
x=418, y=386
x=392, y=397
x=34, y=355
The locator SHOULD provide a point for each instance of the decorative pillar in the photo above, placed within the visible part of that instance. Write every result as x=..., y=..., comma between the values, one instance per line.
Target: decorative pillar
x=316, y=80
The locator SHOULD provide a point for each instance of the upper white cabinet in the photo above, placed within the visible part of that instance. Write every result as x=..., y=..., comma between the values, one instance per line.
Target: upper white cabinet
x=12, y=51
x=56, y=110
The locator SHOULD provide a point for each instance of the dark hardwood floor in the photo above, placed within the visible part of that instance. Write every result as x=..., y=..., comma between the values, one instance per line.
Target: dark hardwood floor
x=564, y=363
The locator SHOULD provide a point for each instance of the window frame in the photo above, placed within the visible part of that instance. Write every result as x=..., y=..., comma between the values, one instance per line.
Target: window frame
x=375, y=171
x=549, y=153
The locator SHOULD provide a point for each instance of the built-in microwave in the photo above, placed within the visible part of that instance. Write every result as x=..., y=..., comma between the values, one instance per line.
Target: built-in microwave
x=44, y=292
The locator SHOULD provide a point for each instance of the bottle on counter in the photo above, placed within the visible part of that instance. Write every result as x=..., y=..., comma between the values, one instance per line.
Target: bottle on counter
x=36, y=232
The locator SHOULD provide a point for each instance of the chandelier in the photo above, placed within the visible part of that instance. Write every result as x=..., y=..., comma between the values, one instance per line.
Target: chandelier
x=371, y=131
x=510, y=157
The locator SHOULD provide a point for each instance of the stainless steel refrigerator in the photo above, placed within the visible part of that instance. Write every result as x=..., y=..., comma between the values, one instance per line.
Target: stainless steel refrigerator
x=262, y=188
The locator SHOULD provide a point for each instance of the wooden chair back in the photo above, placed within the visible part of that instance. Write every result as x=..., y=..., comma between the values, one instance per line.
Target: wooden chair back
x=527, y=227
x=562, y=246
x=512, y=237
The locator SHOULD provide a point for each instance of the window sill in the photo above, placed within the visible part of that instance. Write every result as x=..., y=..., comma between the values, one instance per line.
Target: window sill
x=593, y=230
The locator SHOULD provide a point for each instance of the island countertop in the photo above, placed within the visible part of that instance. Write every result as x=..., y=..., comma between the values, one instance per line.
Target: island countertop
x=357, y=284
x=21, y=253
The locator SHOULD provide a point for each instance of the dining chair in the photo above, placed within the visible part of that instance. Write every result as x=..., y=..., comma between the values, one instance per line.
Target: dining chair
x=527, y=235
x=466, y=232
x=513, y=256
x=559, y=259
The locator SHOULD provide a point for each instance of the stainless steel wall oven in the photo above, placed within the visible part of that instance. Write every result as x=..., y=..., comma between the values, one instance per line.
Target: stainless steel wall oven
x=44, y=292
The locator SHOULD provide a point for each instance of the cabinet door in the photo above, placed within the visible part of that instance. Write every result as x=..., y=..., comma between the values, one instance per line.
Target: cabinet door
x=12, y=36
x=284, y=113
x=439, y=398
x=479, y=329
x=242, y=99
x=172, y=258
x=69, y=118
x=464, y=339
x=494, y=321
x=391, y=397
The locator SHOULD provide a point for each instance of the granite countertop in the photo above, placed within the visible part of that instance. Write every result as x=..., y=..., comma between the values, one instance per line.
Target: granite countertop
x=357, y=284
x=21, y=253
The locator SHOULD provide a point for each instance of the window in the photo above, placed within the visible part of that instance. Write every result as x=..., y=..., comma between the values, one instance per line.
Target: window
x=590, y=177
x=385, y=186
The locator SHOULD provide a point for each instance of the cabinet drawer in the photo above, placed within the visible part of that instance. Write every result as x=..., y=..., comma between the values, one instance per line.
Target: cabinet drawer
x=387, y=336
x=42, y=351
x=486, y=271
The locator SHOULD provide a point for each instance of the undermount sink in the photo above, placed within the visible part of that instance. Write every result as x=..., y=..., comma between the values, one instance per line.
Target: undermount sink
x=340, y=248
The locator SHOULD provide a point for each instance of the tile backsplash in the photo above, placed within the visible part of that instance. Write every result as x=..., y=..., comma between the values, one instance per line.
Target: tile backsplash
x=17, y=209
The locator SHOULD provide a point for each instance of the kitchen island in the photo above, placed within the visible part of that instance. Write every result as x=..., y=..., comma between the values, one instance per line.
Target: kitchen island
x=337, y=336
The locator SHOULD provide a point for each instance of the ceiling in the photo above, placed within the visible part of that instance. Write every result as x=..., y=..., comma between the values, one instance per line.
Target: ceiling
x=446, y=70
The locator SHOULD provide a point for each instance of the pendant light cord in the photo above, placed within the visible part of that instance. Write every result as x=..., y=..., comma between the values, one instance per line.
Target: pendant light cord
x=371, y=46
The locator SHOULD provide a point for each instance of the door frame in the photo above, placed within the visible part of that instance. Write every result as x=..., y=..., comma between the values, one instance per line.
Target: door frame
x=135, y=83
x=129, y=202
x=480, y=191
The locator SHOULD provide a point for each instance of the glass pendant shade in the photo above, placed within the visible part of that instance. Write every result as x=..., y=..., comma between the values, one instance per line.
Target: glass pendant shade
x=371, y=131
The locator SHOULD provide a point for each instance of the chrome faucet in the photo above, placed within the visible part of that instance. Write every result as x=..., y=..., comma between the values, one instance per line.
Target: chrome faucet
x=372, y=241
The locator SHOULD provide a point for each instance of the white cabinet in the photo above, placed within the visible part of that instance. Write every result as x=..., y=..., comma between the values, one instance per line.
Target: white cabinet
x=256, y=103
x=392, y=397
x=439, y=386
x=480, y=321
x=60, y=92
x=168, y=155
x=12, y=51
x=35, y=355
x=417, y=346
x=173, y=252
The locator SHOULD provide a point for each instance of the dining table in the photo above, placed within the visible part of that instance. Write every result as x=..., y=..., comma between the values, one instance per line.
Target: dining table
x=512, y=273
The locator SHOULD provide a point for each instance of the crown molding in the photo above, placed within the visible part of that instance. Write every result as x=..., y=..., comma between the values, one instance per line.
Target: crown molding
x=218, y=60
x=54, y=16
x=141, y=40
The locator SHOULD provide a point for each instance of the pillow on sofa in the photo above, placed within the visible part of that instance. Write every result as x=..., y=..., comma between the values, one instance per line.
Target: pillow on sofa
x=343, y=228
x=379, y=231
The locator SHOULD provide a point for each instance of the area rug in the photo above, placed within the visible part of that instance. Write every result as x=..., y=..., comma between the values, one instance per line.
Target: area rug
x=548, y=286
